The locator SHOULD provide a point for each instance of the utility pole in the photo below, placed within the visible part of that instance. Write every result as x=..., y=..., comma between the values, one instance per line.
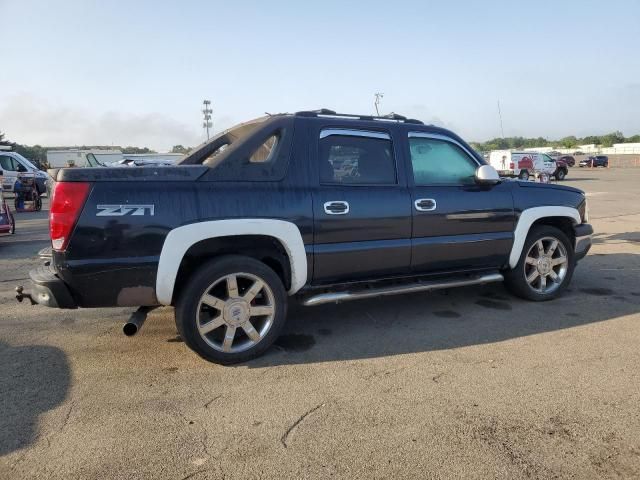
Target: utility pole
x=207, y=111
x=376, y=102
x=500, y=116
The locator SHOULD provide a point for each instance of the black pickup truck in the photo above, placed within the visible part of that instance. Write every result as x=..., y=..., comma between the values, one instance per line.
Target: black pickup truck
x=322, y=206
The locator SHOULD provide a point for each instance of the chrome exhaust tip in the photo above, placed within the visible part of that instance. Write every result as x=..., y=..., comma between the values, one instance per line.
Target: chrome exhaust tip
x=136, y=320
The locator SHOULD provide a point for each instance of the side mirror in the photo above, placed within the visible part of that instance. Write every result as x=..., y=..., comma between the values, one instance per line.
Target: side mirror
x=487, y=175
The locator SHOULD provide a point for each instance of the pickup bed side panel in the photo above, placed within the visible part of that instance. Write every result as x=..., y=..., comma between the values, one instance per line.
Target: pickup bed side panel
x=112, y=258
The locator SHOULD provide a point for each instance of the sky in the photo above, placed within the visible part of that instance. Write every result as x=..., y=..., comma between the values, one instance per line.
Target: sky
x=135, y=72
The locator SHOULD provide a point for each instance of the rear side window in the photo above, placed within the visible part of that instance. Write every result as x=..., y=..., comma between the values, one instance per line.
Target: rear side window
x=266, y=159
x=265, y=152
x=438, y=162
x=356, y=158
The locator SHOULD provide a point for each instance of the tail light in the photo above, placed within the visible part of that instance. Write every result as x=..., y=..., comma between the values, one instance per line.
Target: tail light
x=511, y=165
x=66, y=204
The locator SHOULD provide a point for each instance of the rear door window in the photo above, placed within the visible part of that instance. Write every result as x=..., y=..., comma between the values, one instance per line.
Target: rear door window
x=356, y=157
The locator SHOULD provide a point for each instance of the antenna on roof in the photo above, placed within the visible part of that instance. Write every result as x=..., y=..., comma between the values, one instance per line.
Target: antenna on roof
x=376, y=102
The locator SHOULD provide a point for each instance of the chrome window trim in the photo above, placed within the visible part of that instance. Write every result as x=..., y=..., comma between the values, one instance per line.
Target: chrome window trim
x=347, y=132
x=436, y=136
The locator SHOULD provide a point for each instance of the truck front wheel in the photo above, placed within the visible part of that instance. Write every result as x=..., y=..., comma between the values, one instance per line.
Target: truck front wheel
x=545, y=266
x=232, y=309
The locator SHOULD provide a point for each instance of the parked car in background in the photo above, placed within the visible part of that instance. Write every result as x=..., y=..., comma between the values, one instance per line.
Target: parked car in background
x=578, y=152
x=12, y=163
x=597, y=161
x=568, y=159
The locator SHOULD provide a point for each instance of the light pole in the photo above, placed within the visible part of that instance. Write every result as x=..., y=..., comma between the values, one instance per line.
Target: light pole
x=207, y=111
x=378, y=96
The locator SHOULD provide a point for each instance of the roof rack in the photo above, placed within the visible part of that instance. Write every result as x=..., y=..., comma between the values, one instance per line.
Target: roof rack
x=325, y=112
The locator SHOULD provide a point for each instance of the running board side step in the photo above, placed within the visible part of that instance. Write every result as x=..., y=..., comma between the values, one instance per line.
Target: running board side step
x=424, y=286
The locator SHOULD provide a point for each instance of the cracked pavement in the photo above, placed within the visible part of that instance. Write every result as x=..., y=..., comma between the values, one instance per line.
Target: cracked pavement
x=467, y=383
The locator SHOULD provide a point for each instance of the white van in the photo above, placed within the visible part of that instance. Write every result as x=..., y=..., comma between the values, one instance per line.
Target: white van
x=12, y=163
x=521, y=164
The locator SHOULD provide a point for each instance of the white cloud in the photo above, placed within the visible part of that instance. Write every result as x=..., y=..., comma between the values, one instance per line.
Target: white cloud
x=31, y=120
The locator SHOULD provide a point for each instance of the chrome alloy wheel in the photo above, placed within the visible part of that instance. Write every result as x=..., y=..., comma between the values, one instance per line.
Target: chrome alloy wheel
x=546, y=265
x=235, y=312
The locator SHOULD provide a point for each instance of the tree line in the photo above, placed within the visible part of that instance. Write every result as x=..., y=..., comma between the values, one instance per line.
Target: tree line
x=567, y=142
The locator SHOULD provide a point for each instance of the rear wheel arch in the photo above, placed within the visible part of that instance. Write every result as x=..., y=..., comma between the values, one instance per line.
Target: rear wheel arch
x=267, y=250
x=276, y=243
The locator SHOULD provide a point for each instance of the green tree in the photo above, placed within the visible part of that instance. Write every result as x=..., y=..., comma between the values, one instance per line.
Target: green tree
x=591, y=139
x=5, y=142
x=137, y=150
x=609, y=139
x=180, y=149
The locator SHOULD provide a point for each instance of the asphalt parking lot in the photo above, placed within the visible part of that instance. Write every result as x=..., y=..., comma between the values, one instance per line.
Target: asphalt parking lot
x=467, y=383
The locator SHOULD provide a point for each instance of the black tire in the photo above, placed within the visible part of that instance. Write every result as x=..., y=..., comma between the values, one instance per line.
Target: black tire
x=523, y=175
x=560, y=175
x=200, y=282
x=514, y=279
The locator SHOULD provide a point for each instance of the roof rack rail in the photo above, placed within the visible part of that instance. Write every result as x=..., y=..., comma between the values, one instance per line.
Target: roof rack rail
x=331, y=113
x=315, y=113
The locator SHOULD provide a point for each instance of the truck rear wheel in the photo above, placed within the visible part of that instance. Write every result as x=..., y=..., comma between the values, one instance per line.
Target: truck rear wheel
x=232, y=309
x=545, y=266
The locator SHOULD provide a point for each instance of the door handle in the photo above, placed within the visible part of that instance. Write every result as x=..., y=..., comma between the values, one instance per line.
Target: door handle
x=336, y=208
x=425, y=204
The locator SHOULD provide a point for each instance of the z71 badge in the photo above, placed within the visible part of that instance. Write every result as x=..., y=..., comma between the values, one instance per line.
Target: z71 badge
x=121, y=210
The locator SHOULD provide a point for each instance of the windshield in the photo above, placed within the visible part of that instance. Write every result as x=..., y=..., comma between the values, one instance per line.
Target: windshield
x=25, y=161
x=207, y=152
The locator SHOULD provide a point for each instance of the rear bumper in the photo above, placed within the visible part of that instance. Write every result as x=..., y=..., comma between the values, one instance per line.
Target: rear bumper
x=583, y=234
x=49, y=290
